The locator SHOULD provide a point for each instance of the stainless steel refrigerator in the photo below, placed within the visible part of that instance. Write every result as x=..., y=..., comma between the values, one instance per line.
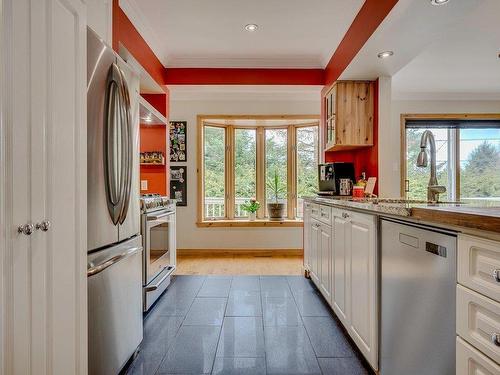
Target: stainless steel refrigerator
x=113, y=228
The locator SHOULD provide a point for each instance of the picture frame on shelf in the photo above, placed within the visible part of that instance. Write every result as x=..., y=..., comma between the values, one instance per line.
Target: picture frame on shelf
x=178, y=184
x=178, y=141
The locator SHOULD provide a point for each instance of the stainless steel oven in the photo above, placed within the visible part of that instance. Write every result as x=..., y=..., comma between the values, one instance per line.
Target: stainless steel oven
x=158, y=230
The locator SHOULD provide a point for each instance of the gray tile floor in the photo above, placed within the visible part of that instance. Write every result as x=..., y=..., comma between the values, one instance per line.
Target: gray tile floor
x=244, y=325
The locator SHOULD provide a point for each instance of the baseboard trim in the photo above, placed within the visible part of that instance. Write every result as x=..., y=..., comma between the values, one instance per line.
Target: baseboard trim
x=246, y=252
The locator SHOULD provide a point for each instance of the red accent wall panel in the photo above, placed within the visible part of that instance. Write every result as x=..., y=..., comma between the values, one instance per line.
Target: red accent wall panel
x=370, y=16
x=237, y=76
x=154, y=138
x=125, y=33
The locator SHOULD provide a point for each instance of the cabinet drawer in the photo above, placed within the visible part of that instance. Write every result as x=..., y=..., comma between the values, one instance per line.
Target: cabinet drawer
x=478, y=321
x=315, y=210
x=325, y=214
x=471, y=361
x=479, y=265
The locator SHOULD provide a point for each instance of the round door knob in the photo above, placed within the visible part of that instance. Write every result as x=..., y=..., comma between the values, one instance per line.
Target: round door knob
x=44, y=226
x=496, y=275
x=495, y=339
x=26, y=229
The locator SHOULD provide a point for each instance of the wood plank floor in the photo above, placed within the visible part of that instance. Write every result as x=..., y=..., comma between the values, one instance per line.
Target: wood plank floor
x=235, y=264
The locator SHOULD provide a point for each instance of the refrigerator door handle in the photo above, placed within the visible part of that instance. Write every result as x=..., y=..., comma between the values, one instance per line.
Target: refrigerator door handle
x=96, y=269
x=113, y=145
x=127, y=142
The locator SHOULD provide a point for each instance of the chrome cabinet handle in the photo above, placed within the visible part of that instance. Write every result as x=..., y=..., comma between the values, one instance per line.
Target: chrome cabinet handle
x=495, y=339
x=345, y=215
x=26, y=229
x=496, y=275
x=44, y=226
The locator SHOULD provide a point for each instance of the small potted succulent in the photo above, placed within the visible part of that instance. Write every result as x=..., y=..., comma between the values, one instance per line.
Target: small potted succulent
x=276, y=210
x=251, y=206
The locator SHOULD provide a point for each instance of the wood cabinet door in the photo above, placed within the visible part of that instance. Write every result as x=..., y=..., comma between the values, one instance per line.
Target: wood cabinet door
x=315, y=258
x=325, y=254
x=362, y=284
x=340, y=267
x=44, y=162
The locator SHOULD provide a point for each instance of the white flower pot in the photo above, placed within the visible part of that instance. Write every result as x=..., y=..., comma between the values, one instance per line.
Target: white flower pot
x=251, y=216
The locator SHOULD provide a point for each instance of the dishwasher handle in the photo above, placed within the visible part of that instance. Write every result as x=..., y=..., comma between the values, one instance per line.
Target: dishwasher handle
x=96, y=269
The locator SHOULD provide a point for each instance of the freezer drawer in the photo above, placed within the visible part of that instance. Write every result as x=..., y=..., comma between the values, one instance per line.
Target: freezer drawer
x=115, y=306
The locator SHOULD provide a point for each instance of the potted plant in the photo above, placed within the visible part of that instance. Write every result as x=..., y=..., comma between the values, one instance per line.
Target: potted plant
x=251, y=207
x=276, y=210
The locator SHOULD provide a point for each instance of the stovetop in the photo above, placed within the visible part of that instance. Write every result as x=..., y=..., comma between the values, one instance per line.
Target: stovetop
x=155, y=202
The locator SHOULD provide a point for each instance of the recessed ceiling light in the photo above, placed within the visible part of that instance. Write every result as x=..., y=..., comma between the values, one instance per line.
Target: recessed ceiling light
x=439, y=2
x=385, y=54
x=251, y=27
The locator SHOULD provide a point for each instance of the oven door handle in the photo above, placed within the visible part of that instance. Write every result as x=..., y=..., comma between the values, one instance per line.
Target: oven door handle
x=156, y=217
x=153, y=287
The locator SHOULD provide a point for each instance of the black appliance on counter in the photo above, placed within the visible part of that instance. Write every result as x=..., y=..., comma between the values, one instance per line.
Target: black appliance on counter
x=329, y=175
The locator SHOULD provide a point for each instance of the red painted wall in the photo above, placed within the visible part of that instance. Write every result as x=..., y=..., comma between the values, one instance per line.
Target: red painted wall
x=154, y=138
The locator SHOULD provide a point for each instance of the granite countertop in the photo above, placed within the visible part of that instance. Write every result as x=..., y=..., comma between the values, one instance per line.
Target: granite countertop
x=476, y=215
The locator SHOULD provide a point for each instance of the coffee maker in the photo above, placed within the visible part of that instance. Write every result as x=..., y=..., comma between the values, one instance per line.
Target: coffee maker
x=330, y=176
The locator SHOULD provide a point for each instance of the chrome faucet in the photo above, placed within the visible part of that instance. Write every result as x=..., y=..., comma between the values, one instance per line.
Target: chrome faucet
x=433, y=189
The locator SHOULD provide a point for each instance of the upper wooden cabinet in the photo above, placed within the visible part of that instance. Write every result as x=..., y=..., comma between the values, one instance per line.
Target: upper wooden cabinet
x=349, y=115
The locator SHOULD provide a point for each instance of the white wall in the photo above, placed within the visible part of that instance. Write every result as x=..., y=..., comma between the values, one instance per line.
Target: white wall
x=389, y=133
x=182, y=108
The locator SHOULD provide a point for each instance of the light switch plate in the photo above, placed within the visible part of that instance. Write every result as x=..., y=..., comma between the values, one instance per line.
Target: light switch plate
x=144, y=184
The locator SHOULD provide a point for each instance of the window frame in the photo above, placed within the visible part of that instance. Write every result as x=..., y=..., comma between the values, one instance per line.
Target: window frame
x=454, y=143
x=229, y=218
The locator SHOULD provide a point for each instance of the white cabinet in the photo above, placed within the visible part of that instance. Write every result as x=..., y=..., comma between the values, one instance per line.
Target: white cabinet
x=43, y=324
x=100, y=18
x=325, y=256
x=362, y=284
x=340, y=265
x=315, y=251
x=471, y=361
x=341, y=250
x=307, y=236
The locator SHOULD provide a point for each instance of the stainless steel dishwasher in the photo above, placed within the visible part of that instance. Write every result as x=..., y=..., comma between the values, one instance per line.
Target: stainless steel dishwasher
x=418, y=285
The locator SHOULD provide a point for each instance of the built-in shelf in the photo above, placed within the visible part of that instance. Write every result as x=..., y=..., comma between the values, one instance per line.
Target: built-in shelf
x=149, y=115
x=155, y=164
x=334, y=147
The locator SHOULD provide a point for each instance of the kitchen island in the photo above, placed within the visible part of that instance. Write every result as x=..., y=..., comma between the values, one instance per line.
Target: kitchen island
x=344, y=250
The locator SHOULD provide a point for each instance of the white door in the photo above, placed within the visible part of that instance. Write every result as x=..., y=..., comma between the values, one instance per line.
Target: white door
x=325, y=253
x=340, y=265
x=315, y=259
x=362, y=316
x=43, y=172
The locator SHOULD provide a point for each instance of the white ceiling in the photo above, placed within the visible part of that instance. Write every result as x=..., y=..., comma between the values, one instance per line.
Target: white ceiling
x=445, y=52
x=198, y=33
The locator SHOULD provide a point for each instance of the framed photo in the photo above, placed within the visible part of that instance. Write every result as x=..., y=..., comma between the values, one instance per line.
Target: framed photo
x=178, y=187
x=178, y=135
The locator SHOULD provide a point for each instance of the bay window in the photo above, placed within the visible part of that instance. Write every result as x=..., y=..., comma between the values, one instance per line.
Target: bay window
x=241, y=159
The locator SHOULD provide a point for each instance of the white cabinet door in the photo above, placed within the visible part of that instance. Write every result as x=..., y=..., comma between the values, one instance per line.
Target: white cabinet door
x=307, y=236
x=325, y=255
x=362, y=284
x=43, y=129
x=471, y=361
x=315, y=252
x=100, y=18
x=340, y=267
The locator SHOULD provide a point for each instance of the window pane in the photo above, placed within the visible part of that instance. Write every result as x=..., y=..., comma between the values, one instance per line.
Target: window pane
x=419, y=177
x=214, y=163
x=276, y=166
x=244, y=168
x=307, y=164
x=480, y=164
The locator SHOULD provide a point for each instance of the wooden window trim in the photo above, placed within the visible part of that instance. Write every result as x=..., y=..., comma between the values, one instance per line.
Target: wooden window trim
x=229, y=219
x=436, y=116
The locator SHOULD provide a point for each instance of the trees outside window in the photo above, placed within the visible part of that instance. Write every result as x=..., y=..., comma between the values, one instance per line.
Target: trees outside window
x=468, y=162
x=239, y=161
